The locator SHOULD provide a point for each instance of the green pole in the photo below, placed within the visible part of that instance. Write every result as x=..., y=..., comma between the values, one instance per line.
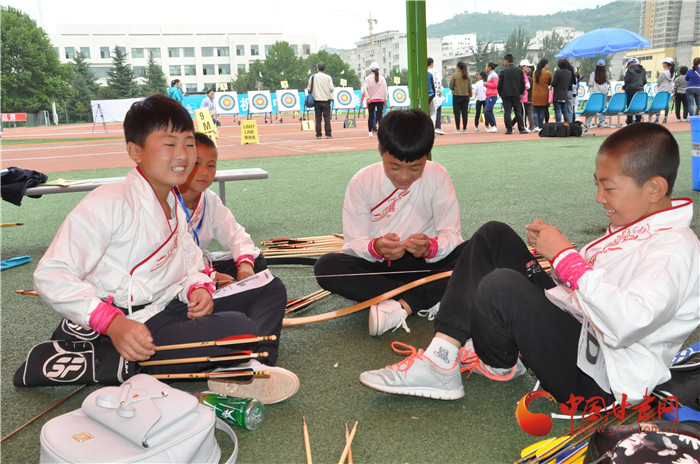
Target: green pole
x=416, y=36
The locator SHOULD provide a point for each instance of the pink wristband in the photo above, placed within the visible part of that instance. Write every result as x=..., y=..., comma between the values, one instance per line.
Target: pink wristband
x=433, y=248
x=209, y=286
x=373, y=251
x=245, y=259
x=103, y=315
x=210, y=271
x=570, y=266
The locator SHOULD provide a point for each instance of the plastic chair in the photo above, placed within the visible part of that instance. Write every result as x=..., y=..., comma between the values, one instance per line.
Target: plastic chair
x=638, y=104
x=616, y=106
x=594, y=105
x=658, y=103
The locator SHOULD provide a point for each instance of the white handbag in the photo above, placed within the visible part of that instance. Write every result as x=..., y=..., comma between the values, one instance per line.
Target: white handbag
x=142, y=420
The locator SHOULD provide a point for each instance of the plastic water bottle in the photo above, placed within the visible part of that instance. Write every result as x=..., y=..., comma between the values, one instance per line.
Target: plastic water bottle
x=241, y=412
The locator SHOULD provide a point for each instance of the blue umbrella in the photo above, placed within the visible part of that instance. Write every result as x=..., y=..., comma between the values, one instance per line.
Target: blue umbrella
x=603, y=41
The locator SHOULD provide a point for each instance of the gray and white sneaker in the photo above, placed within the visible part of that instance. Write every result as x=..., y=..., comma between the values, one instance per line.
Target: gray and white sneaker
x=469, y=361
x=417, y=375
x=277, y=385
x=387, y=315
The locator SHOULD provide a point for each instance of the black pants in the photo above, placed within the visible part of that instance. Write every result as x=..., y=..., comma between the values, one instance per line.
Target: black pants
x=227, y=265
x=496, y=297
x=528, y=119
x=460, y=108
x=361, y=288
x=479, y=105
x=375, y=110
x=681, y=101
x=323, y=108
x=512, y=104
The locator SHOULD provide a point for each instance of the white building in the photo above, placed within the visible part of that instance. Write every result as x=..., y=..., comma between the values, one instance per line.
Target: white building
x=200, y=56
x=389, y=50
x=568, y=33
x=458, y=45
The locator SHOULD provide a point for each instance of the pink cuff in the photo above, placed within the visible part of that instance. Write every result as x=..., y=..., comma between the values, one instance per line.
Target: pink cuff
x=570, y=266
x=373, y=251
x=433, y=248
x=103, y=315
x=209, y=286
x=245, y=259
x=210, y=271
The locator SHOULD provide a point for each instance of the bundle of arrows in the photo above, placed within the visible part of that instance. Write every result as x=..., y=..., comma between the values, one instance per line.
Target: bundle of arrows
x=302, y=246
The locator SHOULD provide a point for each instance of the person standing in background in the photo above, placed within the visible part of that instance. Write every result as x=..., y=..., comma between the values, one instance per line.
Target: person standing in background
x=679, y=94
x=480, y=96
x=692, y=92
x=321, y=87
x=461, y=87
x=491, y=96
x=542, y=78
x=526, y=101
x=598, y=83
x=175, y=91
x=665, y=83
x=635, y=79
x=511, y=86
x=436, y=102
x=561, y=83
x=374, y=89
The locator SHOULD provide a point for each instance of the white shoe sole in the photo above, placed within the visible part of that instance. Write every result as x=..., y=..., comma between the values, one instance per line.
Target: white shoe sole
x=433, y=393
x=279, y=385
x=373, y=322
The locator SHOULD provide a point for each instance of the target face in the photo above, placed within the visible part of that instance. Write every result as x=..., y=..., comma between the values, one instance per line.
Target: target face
x=259, y=102
x=344, y=98
x=287, y=100
x=226, y=102
x=398, y=96
x=618, y=87
x=581, y=91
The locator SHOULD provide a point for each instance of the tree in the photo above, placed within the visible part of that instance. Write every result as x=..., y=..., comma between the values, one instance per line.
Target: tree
x=551, y=45
x=155, y=81
x=121, y=76
x=401, y=74
x=32, y=76
x=518, y=43
x=335, y=67
x=246, y=80
x=587, y=65
x=483, y=53
x=85, y=88
x=282, y=64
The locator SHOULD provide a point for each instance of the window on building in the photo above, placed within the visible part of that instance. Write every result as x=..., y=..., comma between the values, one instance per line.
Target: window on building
x=122, y=50
x=175, y=70
x=241, y=68
x=209, y=86
x=85, y=51
x=295, y=47
x=254, y=50
x=240, y=50
x=208, y=69
x=139, y=71
x=190, y=87
x=207, y=51
x=173, y=52
x=104, y=52
x=188, y=52
x=306, y=49
x=100, y=72
x=190, y=70
x=70, y=53
x=222, y=51
x=137, y=52
x=154, y=52
x=224, y=69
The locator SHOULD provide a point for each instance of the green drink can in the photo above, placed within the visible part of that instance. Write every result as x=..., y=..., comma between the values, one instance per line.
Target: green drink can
x=241, y=412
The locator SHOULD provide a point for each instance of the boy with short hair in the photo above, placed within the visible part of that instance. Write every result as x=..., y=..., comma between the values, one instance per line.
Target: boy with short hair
x=400, y=219
x=629, y=299
x=124, y=265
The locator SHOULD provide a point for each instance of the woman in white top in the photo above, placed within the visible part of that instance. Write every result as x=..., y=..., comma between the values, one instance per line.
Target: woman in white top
x=374, y=89
x=665, y=82
x=598, y=83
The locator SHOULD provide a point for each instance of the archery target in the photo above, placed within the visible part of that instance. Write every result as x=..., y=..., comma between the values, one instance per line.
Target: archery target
x=259, y=101
x=287, y=100
x=398, y=96
x=618, y=87
x=344, y=98
x=226, y=102
x=581, y=91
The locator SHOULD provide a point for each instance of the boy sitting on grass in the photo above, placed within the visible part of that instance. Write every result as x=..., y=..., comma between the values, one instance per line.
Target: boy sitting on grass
x=611, y=320
x=123, y=263
x=400, y=217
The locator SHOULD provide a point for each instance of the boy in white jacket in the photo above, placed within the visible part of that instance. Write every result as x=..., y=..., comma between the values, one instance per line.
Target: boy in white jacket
x=612, y=319
x=123, y=263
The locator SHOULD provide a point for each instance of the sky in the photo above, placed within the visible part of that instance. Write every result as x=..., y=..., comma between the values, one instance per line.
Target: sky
x=341, y=23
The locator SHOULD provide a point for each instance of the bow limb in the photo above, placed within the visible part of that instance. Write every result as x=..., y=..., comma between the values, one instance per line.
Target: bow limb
x=287, y=322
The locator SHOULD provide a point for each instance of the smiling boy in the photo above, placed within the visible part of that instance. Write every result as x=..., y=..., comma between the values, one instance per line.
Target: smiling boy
x=123, y=263
x=610, y=322
x=400, y=222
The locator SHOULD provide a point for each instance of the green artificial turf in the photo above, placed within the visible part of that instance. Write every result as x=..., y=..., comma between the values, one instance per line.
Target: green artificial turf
x=513, y=182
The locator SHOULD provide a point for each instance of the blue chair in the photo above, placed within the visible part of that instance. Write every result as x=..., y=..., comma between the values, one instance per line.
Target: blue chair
x=658, y=103
x=638, y=104
x=616, y=106
x=594, y=105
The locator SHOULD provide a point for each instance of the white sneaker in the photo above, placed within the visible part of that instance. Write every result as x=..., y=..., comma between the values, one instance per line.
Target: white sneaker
x=439, y=132
x=537, y=129
x=457, y=131
x=278, y=385
x=476, y=129
x=526, y=130
x=370, y=135
x=469, y=361
x=387, y=315
x=417, y=375
x=430, y=312
x=492, y=129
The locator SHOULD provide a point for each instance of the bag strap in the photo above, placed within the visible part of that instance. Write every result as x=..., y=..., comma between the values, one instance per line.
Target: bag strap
x=312, y=83
x=224, y=427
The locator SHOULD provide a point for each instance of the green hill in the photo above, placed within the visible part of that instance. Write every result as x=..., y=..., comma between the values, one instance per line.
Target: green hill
x=493, y=26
